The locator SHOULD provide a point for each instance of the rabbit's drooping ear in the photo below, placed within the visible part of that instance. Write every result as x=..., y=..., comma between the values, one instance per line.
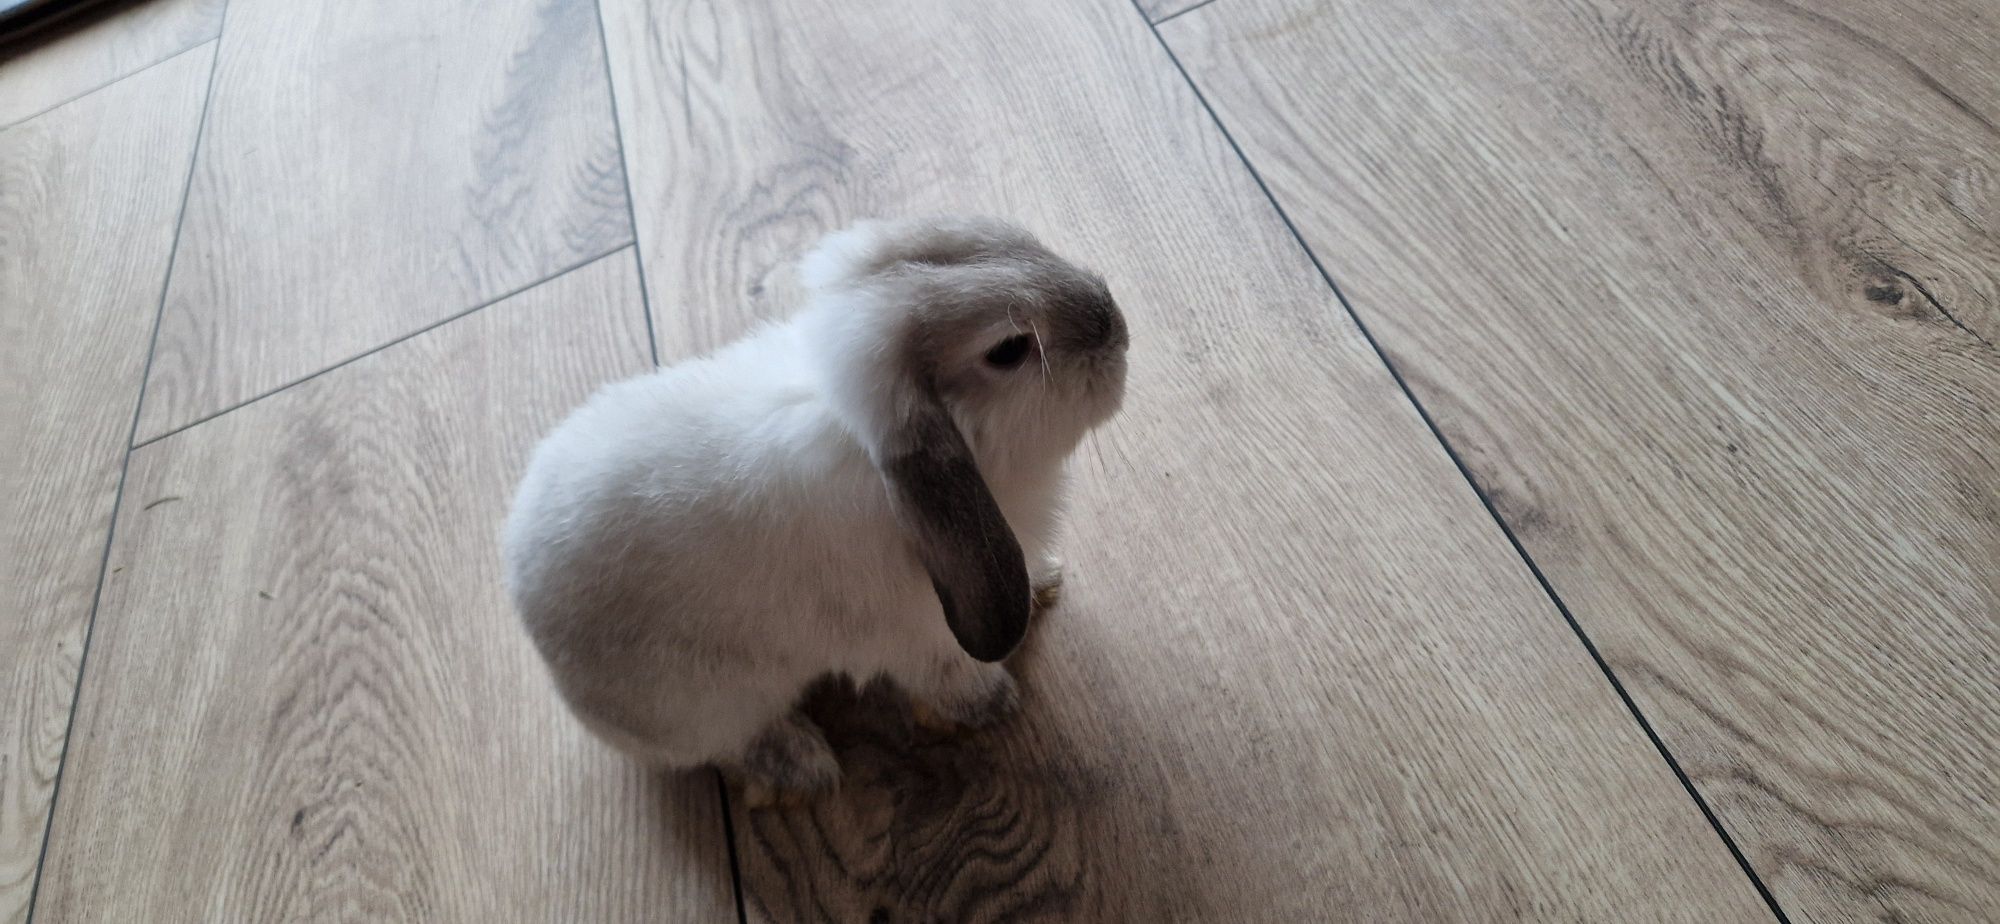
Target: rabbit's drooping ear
x=959, y=533
x=879, y=317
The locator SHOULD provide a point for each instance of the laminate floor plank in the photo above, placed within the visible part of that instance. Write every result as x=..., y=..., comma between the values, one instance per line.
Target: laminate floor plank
x=308, y=697
x=89, y=193
x=1299, y=673
x=374, y=167
x=68, y=59
x=1706, y=295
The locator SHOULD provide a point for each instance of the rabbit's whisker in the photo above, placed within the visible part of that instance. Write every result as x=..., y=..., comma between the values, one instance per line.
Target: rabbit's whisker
x=1039, y=352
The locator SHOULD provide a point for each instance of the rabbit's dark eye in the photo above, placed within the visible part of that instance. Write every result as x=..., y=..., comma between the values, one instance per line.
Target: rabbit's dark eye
x=1009, y=352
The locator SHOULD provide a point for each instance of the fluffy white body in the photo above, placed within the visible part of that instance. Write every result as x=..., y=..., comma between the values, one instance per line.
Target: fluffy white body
x=798, y=568
x=692, y=548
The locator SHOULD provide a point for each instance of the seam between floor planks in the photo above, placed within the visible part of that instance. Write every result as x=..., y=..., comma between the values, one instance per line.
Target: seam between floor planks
x=625, y=173
x=1458, y=462
x=434, y=325
x=125, y=465
x=1180, y=12
x=30, y=117
x=729, y=841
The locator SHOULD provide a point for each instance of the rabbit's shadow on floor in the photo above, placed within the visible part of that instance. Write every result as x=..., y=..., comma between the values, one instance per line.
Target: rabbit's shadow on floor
x=1003, y=823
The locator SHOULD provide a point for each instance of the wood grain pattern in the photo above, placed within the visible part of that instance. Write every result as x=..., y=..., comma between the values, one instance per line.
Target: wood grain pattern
x=1705, y=294
x=1946, y=48
x=308, y=698
x=1882, y=122
x=74, y=57
x=371, y=168
x=89, y=193
x=1299, y=674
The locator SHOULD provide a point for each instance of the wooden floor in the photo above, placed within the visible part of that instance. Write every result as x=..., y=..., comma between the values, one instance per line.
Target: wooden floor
x=1560, y=479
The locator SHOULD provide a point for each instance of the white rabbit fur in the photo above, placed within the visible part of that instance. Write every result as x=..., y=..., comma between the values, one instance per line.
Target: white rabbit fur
x=692, y=548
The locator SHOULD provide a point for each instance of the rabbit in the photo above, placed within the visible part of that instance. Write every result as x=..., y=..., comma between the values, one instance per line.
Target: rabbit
x=858, y=490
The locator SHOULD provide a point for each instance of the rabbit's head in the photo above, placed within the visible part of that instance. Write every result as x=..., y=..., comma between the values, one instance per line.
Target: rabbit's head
x=958, y=350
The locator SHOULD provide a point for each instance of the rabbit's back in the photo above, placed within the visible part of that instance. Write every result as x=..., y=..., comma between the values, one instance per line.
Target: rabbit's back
x=701, y=535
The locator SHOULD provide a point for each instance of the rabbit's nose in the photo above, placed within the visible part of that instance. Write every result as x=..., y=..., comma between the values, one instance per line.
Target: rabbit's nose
x=1115, y=336
x=1097, y=325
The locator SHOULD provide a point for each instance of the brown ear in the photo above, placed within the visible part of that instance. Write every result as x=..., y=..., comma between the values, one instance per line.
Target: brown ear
x=958, y=531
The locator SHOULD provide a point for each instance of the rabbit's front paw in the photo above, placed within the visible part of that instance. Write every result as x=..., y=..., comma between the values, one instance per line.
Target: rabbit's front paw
x=1046, y=590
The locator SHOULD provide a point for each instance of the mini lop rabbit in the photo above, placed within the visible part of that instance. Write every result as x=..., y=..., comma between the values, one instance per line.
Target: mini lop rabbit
x=858, y=491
